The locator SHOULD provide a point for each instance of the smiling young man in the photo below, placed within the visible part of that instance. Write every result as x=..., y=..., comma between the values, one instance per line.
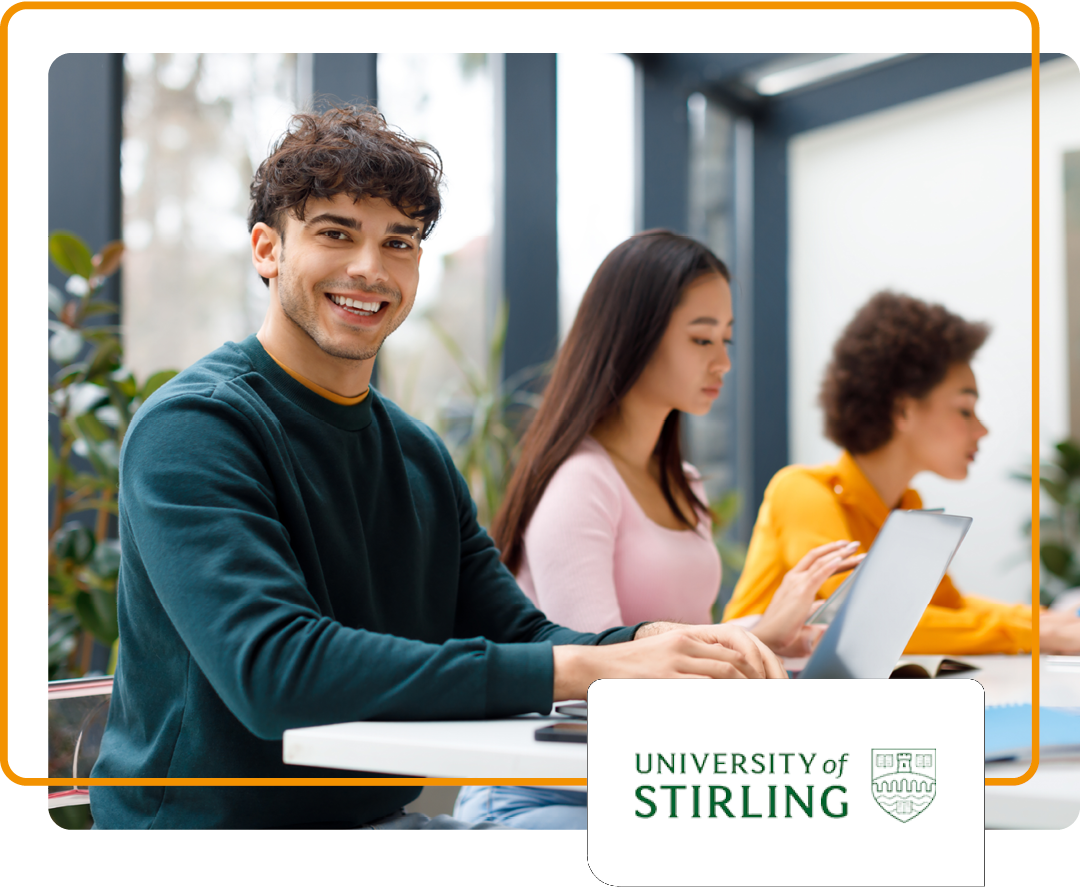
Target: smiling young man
x=298, y=551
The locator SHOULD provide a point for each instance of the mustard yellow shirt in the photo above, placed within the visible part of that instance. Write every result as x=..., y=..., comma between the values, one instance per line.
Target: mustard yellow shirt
x=807, y=506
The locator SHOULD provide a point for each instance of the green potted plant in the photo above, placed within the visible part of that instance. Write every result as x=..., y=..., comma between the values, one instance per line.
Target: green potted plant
x=1059, y=530
x=93, y=397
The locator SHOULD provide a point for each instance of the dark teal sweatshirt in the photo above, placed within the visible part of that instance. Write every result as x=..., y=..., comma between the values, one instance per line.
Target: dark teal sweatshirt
x=288, y=561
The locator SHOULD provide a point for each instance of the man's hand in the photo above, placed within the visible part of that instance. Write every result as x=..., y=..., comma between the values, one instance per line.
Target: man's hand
x=1059, y=633
x=782, y=626
x=665, y=650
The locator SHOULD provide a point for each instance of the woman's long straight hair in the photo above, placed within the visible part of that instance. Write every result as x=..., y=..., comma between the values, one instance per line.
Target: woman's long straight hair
x=620, y=323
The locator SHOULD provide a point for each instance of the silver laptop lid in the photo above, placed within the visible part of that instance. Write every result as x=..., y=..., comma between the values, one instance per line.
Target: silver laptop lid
x=888, y=595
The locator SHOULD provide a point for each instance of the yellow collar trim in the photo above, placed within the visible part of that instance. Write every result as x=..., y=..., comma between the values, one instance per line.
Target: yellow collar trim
x=318, y=389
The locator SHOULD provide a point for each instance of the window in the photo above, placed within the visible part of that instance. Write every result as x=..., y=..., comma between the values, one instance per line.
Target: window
x=195, y=128
x=448, y=100
x=595, y=135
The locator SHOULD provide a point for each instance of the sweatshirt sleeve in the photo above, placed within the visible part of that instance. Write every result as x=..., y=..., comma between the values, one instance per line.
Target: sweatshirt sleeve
x=204, y=538
x=570, y=544
x=798, y=513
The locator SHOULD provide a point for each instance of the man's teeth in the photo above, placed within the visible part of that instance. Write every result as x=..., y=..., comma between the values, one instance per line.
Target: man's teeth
x=356, y=304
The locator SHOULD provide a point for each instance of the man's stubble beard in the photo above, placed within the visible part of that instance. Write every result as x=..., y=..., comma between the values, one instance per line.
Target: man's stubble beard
x=305, y=315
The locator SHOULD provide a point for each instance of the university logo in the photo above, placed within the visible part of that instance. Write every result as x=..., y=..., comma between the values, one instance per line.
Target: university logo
x=904, y=781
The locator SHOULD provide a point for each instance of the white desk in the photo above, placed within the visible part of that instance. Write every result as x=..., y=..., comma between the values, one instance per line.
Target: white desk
x=499, y=749
x=1050, y=799
x=506, y=749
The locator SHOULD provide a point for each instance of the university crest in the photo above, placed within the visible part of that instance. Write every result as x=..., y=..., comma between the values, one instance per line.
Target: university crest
x=904, y=781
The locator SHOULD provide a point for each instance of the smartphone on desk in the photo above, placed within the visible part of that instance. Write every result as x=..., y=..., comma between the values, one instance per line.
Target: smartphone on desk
x=578, y=709
x=564, y=732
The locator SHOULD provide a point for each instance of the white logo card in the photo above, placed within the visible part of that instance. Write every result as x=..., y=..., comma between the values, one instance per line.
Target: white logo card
x=786, y=782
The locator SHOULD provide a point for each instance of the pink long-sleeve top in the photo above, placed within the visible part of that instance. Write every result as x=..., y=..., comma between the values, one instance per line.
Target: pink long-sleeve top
x=593, y=559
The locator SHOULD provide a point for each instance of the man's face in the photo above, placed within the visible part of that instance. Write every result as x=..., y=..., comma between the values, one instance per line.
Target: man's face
x=347, y=274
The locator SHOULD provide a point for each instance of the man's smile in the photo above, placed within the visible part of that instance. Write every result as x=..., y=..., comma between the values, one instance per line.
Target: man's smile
x=359, y=307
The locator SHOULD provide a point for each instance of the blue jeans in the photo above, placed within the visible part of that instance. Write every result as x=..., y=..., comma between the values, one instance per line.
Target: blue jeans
x=523, y=807
x=405, y=820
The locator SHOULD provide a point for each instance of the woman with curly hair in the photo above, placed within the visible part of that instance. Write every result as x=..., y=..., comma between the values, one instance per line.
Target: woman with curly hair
x=899, y=396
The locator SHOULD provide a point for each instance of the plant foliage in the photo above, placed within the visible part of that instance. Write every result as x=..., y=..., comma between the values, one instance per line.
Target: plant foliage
x=481, y=421
x=1059, y=530
x=93, y=397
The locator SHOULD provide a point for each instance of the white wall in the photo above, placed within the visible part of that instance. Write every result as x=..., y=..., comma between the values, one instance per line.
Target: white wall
x=933, y=198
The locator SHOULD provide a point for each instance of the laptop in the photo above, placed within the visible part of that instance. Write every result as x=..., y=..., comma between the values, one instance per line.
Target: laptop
x=886, y=595
x=871, y=614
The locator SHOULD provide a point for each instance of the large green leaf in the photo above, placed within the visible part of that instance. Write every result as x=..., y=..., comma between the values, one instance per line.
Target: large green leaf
x=67, y=375
x=1069, y=457
x=75, y=542
x=97, y=614
x=105, y=605
x=106, y=359
x=86, y=397
x=70, y=254
x=98, y=307
x=90, y=427
x=63, y=624
x=104, y=456
x=1056, y=558
x=54, y=465
x=65, y=345
x=106, y=560
x=1056, y=489
x=155, y=382
x=125, y=381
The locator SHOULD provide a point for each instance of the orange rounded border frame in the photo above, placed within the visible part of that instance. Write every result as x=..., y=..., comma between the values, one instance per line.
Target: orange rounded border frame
x=494, y=5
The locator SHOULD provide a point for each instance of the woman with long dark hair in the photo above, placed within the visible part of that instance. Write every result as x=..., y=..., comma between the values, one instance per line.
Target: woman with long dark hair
x=603, y=523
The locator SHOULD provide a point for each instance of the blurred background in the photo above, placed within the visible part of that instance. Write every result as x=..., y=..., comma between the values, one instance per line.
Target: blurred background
x=820, y=179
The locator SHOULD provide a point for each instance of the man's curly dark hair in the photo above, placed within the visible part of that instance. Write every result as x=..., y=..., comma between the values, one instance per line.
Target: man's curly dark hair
x=895, y=346
x=346, y=151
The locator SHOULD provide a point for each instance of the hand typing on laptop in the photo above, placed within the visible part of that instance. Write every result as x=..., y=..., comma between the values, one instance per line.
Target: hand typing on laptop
x=665, y=650
x=782, y=627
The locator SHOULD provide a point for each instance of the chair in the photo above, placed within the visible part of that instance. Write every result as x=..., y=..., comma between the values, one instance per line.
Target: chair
x=77, y=712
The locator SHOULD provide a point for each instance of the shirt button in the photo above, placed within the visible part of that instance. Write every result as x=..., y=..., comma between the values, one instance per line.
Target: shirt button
x=838, y=489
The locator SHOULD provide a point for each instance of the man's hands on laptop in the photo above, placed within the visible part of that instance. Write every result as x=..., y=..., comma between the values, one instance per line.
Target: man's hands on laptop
x=783, y=625
x=665, y=650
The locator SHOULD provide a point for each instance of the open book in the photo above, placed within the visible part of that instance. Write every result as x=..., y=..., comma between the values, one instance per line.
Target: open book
x=908, y=667
x=928, y=667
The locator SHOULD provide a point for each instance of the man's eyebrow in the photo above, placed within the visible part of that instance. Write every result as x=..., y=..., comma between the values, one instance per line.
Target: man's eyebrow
x=332, y=219
x=712, y=322
x=403, y=228
x=969, y=391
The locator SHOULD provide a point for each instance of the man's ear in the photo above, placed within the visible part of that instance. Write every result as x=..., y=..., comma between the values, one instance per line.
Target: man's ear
x=265, y=250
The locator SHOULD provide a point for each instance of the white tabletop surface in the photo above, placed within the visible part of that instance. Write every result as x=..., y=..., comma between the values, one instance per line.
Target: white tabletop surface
x=505, y=749
x=497, y=749
x=1051, y=798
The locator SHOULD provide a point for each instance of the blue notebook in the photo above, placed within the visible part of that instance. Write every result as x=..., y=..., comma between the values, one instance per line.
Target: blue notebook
x=1008, y=732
